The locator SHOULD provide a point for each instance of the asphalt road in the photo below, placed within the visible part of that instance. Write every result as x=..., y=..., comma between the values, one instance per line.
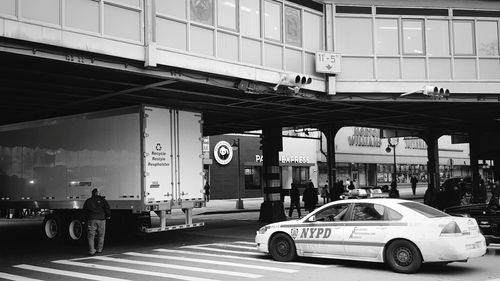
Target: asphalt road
x=222, y=250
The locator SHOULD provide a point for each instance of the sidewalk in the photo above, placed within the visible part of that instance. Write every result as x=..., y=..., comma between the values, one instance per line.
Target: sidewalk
x=226, y=206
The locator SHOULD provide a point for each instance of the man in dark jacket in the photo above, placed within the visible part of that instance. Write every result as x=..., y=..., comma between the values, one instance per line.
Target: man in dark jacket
x=294, y=200
x=97, y=210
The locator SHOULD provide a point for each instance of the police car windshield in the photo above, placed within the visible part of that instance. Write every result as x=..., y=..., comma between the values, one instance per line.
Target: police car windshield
x=424, y=210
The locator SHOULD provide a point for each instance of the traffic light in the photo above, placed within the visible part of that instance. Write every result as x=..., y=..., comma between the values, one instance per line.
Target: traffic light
x=434, y=91
x=261, y=147
x=294, y=81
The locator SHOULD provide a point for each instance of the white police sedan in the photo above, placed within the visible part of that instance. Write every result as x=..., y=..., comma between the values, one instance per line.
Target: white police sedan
x=404, y=234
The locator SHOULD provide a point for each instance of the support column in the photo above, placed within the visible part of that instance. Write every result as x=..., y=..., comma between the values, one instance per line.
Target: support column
x=474, y=165
x=272, y=209
x=330, y=132
x=431, y=140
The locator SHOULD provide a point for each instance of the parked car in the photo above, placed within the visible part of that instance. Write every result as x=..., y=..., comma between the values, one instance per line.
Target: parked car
x=487, y=216
x=401, y=233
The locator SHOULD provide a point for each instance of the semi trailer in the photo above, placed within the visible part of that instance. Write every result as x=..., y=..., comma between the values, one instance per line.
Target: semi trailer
x=143, y=159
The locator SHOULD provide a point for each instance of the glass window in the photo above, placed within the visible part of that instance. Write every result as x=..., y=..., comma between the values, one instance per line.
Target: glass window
x=413, y=37
x=46, y=11
x=202, y=41
x=356, y=68
x=250, y=17
x=252, y=177
x=487, y=38
x=465, y=69
x=438, y=42
x=368, y=212
x=293, y=60
x=463, y=42
x=387, y=37
x=439, y=69
x=250, y=51
x=388, y=68
x=226, y=14
x=82, y=14
x=336, y=212
x=176, y=8
x=272, y=20
x=171, y=33
x=122, y=23
x=313, y=38
x=227, y=46
x=300, y=176
x=135, y=3
x=489, y=69
x=310, y=65
x=293, y=26
x=202, y=11
x=413, y=68
x=424, y=209
x=273, y=56
x=8, y=7
x=354, y=36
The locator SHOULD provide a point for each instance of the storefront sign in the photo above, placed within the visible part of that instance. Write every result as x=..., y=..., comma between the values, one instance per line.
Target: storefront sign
x=415, y=143
x=223, y=152
x=365, y=137
x=287, y=159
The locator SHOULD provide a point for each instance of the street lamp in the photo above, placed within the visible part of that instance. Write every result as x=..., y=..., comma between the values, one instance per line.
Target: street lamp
x=236, y=146
x=392, y=146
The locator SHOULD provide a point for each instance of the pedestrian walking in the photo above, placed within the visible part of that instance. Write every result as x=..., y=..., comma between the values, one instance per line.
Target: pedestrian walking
x=294, y=200
x=394, y=192
x=206, y=193
x=325, y=194
x=310, y=197
x=414, y=181
x=97, y=210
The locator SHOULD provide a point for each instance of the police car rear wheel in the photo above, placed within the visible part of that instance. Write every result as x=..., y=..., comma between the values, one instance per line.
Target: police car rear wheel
x=403, y=256
x=282, y=248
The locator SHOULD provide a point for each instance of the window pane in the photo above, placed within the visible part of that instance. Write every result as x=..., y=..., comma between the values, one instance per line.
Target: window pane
x=489, y=69
x=176, y=8
x=349, y=44
x=227, y=46
x=202, y=41
x=250, y=17
x=250, y=51
x=273, y=56
x=413, y=69
x=293, y=60
x=462, y=37
x=8, y=7
x=227, y=13
x=123, y=23
x=135, y=3
x=487, y=38
x=438, y=43
x=46, y=11
x=171, y=34
x=82, y=14
x=465, y=69
x=413, y=37
x=388, y=68
x=293, y=28
x=272, y=20
x=202, y=11
x=387, y=37
x=313, y=38
x=356, y=68
x=310, y=66
x=440, y=69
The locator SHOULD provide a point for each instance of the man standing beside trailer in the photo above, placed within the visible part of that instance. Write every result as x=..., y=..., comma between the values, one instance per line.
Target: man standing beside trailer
x=97, y=210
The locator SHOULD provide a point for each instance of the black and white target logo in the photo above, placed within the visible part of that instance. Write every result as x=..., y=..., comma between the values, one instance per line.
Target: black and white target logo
x=223, y=152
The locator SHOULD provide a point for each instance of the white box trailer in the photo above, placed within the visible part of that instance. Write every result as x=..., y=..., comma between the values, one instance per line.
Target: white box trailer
x=142, y=159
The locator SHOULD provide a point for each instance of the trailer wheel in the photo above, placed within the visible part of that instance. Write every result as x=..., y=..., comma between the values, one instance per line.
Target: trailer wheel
x=52, y=226
x=76, y=229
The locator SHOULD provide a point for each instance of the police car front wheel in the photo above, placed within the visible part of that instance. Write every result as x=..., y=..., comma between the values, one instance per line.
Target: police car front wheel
x=282, y=248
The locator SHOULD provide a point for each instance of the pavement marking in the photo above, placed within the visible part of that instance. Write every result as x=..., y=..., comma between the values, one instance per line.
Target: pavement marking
x=16, y=277
x=231, y=246
x=212, y=262
x=247, y=243
x=240, y=258
x=68, y=273
x=221, y=250
x=180, y=267
x=129, y=270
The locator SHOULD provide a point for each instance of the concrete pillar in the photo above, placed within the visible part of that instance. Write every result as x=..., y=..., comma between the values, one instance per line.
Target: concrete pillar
x=474, y=165
x=272, y=209
x=431, y=139
x=330, y=132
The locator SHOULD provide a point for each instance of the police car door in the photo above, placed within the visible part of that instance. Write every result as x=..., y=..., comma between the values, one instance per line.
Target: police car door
x=365, y=233
x=321, y=234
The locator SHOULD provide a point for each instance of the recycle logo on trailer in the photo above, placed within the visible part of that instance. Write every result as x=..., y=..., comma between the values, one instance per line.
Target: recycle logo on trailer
x=223, y=152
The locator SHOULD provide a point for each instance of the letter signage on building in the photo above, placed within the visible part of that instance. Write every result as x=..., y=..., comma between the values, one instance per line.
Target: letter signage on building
x=365, y=137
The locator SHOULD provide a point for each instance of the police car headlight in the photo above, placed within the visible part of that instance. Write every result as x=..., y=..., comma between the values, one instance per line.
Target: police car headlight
x=263, y=229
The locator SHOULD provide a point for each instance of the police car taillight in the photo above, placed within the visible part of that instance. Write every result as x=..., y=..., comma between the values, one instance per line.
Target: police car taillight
x=451, y=229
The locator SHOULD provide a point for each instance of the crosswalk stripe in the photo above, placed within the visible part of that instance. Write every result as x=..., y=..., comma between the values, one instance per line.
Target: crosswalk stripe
x=67, y=273
x=128, y=270
x=228, y=245
x=221, y=250
x=212, y=262
x=246, y=243
x=181, y=267
x=16, y=277
x=239, y=258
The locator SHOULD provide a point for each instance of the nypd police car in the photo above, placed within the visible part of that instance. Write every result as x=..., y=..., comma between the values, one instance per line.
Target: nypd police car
x=403, y=234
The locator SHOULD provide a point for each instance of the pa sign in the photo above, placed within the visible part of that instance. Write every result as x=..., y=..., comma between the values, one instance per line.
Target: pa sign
x=328, y=62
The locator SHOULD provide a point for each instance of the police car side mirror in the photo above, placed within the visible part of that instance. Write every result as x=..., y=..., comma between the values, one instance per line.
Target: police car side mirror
x=311, y=219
